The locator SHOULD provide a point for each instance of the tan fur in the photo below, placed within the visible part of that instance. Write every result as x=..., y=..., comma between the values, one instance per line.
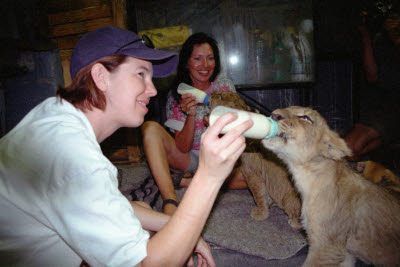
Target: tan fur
x=265, y=174
x=345, y=215
x=377, y=173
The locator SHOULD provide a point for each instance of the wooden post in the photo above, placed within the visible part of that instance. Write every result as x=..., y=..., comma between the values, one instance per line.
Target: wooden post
x=119, y=13
x=133, y=135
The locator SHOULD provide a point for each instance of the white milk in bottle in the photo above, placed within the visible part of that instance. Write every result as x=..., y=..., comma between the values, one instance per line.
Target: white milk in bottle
x=263, y=126
x=201, y=96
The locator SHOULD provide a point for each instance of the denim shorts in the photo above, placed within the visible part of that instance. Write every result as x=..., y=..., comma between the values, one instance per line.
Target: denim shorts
x=194, y=163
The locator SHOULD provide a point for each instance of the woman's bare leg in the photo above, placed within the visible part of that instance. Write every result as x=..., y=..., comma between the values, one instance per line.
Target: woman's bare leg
x=161, y=153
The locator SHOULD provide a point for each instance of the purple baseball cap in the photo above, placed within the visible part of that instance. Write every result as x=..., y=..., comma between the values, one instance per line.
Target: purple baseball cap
x=111, y=40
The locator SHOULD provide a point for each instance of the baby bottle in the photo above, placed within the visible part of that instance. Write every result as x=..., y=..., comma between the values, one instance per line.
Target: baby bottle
x=263, y=126
x=201, y=96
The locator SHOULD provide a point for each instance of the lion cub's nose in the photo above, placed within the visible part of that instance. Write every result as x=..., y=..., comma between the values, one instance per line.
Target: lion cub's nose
x=276, y=117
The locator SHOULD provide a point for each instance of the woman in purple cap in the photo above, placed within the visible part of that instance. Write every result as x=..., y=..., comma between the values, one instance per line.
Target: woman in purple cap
x=59, y=198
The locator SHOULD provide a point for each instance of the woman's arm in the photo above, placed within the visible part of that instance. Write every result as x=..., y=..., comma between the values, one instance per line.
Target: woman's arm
x=370, y=66
x=153, y=221
x=184, y=138
x=174, y=243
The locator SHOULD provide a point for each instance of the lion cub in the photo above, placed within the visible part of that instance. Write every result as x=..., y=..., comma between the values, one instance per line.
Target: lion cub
x=345, y=215
x=265, y=174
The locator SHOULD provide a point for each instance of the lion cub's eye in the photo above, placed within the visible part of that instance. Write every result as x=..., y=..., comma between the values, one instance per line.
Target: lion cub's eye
x=306, y=118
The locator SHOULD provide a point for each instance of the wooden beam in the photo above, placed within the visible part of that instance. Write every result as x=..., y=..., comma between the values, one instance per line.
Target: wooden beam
x=55, y=6
x=79, y=27
x=80, y=15
x=119, y=13
x=65, y=54
x=66, y=74
x=67, y=42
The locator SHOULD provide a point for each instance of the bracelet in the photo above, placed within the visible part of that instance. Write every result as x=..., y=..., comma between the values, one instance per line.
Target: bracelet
x=188, y=114
x=170, y=201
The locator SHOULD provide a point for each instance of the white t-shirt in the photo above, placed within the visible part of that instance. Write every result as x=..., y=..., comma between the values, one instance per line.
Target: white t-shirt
x=59, y=197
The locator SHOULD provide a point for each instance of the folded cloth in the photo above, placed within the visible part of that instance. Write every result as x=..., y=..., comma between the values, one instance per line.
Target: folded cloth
x=230, y=226
x=176, y=178
x=146, y=191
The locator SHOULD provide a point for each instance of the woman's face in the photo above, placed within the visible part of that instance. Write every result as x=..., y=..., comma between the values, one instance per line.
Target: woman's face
x=392, y=26
x=201, y=64
x=130, y=87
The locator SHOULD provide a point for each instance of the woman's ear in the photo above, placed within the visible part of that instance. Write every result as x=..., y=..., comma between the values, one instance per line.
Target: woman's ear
x=100, y=76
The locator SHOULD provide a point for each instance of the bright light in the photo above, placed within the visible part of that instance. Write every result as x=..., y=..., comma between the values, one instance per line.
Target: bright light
x=233, y=60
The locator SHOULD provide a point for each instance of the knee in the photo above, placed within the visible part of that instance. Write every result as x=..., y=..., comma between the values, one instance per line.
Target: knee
x=149, y=126
x=151, y=129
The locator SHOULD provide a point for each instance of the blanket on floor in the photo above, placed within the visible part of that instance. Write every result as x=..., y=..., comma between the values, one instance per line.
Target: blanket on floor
x=230, y=225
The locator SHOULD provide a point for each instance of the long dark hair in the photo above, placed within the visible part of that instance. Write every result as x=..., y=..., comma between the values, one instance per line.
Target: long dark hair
x=184, y=55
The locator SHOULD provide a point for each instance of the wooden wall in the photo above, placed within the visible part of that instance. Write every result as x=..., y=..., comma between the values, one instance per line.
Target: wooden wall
x=69, y=20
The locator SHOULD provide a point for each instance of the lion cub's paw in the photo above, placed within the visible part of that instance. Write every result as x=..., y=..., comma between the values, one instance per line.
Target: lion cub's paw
x=295, y=223
x=259, y=213
x=376, y=172
x=371, y=170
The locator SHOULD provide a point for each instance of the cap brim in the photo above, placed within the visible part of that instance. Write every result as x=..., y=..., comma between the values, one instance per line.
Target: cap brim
x=164, y=62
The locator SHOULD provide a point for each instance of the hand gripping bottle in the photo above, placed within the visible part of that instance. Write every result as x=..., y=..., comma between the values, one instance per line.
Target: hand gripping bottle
x=201, y=96
x=263, y=126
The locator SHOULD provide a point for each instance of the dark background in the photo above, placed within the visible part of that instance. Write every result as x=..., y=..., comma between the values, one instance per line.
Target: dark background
x=30, y=67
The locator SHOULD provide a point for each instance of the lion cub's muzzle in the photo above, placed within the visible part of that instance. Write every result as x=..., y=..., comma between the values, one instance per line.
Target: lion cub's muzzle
x=276, y=117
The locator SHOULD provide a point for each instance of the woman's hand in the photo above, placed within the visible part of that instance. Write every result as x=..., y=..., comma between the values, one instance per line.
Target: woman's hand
x=219, y=154
x=361, y=140
x=362, y=26
x=206, y=121
x=204, y=255
x=188, y=104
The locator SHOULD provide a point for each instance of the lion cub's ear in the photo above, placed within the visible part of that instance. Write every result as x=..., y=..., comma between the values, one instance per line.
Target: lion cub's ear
x=333, y=146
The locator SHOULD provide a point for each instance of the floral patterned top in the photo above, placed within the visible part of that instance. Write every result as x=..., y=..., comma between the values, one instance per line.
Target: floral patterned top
x=176, y=118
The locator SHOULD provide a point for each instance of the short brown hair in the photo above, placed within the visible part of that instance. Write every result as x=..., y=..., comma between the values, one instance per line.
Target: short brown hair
x=83, y=92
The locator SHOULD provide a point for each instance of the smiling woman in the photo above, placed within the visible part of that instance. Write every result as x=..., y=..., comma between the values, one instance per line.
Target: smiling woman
x=199, y=66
